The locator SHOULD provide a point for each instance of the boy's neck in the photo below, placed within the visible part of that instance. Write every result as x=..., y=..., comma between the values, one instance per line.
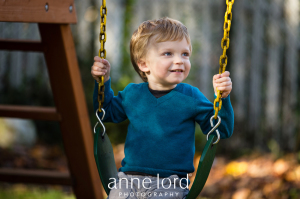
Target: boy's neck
x=159, y=87
x=161, y=91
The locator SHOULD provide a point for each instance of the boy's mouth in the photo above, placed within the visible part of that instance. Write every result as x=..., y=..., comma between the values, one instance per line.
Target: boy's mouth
x=177, y=70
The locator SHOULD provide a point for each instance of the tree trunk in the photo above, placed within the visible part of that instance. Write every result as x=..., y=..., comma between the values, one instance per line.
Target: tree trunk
x=291, y=73
x=205, y=50
x=255, y=105
x=273, y=90
x=238, y=71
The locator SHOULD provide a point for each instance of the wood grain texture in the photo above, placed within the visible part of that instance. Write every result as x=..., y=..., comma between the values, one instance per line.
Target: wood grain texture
x=70, y=102
x=30, y=112
x=21, y=45
x=35, y=176
x=34, y=11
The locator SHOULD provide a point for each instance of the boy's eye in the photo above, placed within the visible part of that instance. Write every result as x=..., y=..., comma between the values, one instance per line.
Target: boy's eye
x=167, y=54
x=186, y=54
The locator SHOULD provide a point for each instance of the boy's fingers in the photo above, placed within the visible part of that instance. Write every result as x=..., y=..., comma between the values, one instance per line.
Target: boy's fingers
x=96, y=68
x=105, y=62
x=225, y=94
x=224, y=88
x=217, y=76
x=226, y=74
x=96, y=58
x=100, y=65
x=97, y=73
x=227, y=83
x=100, y=70
x=220, y=88
x=223, y=79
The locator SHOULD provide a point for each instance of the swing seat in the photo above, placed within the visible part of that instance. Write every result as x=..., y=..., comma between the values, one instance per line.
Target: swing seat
x=204, y=166
x=104, y=157
x=107, y=169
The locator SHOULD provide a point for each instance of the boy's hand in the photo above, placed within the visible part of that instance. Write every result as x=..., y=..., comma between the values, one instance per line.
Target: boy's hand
x=222, y=83
x=101, y=67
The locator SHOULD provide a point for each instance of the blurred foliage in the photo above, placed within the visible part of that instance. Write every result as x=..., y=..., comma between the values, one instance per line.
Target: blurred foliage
x=40, y=156
x=37, y=91
x=34, y=91
x=249, y=174
x=248, y=177
x=19, y=191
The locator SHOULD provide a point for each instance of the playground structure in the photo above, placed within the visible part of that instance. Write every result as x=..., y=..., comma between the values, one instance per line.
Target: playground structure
x=56, y=43
x=103, y=150
x=54, y=18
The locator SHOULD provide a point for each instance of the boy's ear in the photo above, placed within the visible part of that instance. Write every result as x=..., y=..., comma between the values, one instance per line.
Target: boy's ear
x=143, y=66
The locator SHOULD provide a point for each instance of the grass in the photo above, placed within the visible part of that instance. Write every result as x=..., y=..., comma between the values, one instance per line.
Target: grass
x=19, y=191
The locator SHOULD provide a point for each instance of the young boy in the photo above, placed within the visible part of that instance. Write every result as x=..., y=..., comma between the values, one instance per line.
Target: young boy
x=162, y=111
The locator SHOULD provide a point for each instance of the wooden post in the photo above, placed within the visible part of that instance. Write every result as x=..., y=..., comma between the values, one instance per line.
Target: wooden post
x=70, y=102
x=54, y=17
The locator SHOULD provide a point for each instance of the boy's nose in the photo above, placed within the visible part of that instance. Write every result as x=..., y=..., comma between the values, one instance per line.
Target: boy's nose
x=178, y=60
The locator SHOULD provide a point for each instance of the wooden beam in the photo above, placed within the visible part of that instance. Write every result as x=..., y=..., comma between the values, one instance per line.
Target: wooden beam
x=30, y=112
x=38, y=11
x=70, y=102
x=21, y=45
x=35, y=176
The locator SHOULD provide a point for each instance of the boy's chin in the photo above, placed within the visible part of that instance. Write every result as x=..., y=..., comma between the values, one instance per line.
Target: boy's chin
x=178, y=81
x=174, y=83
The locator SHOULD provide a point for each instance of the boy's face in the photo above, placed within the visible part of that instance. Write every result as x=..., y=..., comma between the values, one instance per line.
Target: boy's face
x=166, y=63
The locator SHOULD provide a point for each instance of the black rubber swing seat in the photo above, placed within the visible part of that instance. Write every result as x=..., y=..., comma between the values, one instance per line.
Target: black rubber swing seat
x=107, y=169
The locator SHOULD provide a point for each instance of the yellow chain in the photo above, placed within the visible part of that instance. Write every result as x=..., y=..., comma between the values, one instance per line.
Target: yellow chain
x=223, y=57
x=102, y=51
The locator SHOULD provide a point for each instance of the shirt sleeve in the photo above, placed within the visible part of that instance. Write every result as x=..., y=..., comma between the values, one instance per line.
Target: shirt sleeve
x=114, y=111
x=205, y=110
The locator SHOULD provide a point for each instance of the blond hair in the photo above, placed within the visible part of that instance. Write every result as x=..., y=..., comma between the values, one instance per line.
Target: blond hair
x=165, y=29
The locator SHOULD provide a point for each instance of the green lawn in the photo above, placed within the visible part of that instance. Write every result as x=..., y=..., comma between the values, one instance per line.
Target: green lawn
x=25, y=192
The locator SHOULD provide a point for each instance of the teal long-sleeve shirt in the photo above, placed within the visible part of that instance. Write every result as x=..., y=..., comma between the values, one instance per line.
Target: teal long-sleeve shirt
x=161, y=132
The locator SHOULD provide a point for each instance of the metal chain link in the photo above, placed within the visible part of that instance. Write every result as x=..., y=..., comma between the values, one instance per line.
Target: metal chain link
x=102, y=52
x=223, y=57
